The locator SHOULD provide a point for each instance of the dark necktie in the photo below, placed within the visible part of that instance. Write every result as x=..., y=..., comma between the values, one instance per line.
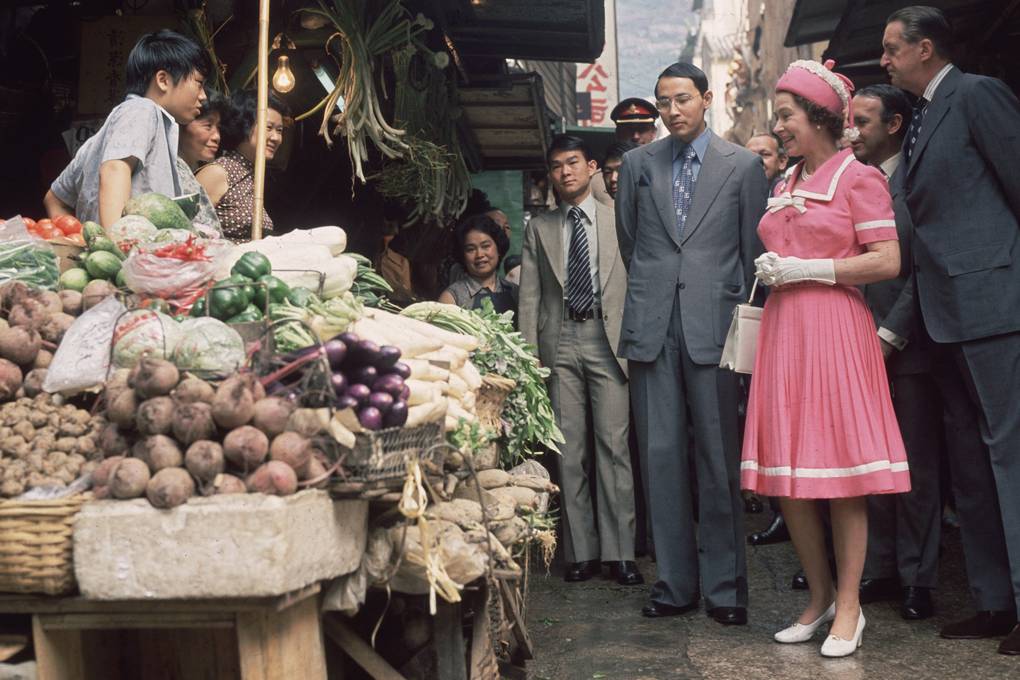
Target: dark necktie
x=580, y=295
x=914, y=131
x=683, y=189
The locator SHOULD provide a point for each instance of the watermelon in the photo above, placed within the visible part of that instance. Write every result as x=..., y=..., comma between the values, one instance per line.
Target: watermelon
x=74, y=279
x=102, y=265
x=158, y=209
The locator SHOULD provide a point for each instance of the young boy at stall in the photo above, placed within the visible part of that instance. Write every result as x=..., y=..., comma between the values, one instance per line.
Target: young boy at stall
x=135, y=151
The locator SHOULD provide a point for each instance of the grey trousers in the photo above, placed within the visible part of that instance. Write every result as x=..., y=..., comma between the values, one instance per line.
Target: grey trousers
x=589, y=396
x=670, y=393
x=904, y=529
x=980, y=382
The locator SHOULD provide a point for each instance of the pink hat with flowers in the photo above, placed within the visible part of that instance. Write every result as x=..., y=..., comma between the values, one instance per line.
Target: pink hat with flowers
x=819, y=84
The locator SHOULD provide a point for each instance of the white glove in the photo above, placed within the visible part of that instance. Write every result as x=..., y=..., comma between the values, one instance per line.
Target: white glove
x=773, y=270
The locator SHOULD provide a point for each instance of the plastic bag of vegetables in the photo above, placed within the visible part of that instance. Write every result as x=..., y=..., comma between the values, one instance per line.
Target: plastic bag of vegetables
x=82, y=359
x=208, y=348
x=170, y=270
x=24, y=258
x=144, y=332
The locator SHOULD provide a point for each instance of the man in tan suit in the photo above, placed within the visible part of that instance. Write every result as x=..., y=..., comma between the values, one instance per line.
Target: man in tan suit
x=573, y=284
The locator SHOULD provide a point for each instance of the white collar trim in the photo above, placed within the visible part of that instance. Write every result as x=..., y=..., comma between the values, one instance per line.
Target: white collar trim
x=832, y=183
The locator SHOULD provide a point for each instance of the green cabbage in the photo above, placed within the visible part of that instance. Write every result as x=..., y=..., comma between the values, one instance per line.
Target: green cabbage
x=209, y=348
x=144, y=332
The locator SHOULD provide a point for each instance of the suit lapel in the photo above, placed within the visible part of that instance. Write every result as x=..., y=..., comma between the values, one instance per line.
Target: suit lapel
x=937, y=110
x=605, y=225
x=550, y=231
x=715, y=170
x=662, y=186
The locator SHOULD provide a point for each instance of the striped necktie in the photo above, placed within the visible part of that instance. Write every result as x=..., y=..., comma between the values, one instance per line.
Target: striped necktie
x=580, y=294
x=914, y=131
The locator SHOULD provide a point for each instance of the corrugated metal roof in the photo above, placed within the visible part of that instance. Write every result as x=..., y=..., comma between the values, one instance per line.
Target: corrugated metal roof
x=507, y=121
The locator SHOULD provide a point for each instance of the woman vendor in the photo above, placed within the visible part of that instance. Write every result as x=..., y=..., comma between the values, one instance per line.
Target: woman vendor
x=199, y=144
x=481, y=246
x=230, y=179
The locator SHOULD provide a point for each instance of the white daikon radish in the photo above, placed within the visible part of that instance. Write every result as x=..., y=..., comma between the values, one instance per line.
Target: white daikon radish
x=423, y=392
x=411, y=344
x=449, y=355
x=469, y=374
x=423, y=369
x=464, y=342
x=426, y=413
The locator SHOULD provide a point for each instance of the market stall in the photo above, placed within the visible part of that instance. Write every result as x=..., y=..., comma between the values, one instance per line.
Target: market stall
x=251, y=439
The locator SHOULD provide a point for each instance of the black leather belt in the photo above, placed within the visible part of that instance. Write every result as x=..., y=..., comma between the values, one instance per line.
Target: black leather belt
x=593, y=313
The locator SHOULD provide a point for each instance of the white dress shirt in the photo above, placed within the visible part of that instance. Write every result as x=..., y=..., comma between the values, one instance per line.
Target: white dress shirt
x=929, y=92
x=588, y=207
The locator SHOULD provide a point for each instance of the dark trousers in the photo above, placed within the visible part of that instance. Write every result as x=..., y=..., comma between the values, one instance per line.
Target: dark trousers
x=904, y=529
x=668, y=394
x=979, y=381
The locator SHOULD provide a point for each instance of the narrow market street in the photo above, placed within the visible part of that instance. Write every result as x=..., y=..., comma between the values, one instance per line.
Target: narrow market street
x=583, y=631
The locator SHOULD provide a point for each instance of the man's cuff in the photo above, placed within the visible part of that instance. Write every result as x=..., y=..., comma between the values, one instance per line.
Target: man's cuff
x=893, y=339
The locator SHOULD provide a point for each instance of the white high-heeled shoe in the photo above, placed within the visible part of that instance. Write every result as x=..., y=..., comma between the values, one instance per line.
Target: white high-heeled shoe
x=802, y=632
x=837, y=646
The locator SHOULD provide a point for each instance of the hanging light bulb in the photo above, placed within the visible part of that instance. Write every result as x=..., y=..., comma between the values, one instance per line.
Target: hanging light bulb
x=283, y=79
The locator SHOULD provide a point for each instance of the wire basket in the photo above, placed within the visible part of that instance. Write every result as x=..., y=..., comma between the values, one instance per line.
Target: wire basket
x=36, y=549
x=383, y=455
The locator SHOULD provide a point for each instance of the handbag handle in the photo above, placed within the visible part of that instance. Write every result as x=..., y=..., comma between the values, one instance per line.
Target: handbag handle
x=754, y=287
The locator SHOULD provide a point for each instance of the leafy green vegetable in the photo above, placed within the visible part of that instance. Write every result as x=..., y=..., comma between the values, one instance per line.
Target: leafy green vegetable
x=32, y=262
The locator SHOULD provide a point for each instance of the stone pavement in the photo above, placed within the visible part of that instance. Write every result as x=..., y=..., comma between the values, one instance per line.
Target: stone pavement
x=585, y=631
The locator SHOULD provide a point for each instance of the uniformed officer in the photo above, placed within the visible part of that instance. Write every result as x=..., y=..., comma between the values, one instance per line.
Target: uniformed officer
x=635, y=121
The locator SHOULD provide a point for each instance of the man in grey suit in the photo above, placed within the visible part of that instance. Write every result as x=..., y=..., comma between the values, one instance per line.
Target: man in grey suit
x=687, y=211
x=571, y=301
x=903, y=529
x=963, y=192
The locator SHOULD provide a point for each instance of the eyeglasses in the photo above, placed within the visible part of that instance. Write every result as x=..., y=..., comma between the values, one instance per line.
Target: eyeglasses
x=666, y=103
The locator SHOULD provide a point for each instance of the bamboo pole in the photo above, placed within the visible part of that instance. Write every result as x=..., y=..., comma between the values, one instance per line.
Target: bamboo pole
x=258, y=198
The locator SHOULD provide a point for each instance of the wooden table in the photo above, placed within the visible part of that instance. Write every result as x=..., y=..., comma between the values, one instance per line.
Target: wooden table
x=276, y=638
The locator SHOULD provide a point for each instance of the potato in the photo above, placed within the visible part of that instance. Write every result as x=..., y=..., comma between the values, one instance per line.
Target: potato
x=159, y=452
x=274, y=478
x=204, y=460
x=170, y=487
x=129, y=478
x=246, y=447
x=155, y=416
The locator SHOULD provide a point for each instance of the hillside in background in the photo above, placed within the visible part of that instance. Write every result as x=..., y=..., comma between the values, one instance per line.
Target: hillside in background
x=650, y=36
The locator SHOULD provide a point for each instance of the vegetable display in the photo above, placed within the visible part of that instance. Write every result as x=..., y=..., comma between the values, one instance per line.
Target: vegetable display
x=30, y=262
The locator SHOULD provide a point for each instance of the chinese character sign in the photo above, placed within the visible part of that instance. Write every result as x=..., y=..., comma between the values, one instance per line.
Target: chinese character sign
x=598, y=89
x=105, y=45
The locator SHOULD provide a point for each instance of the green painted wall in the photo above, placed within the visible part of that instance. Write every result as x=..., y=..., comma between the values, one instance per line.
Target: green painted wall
x=505, y=189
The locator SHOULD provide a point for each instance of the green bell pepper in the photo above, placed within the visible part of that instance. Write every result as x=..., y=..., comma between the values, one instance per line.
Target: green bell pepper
x=245, y=286
x=270, y=287
x=226, y=300
x=252, y=266
x=301, y=296
x=250, y=313
x=198, y=309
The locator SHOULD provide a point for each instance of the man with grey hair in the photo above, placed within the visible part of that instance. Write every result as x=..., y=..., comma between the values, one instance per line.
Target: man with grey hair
x=963, y=194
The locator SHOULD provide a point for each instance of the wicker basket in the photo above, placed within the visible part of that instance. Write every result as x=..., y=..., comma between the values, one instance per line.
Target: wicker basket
x=383, y=455
x=36, y=554
x=489, y=403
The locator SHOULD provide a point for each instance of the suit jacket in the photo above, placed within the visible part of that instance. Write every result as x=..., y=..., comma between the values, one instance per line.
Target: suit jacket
x=710, y=268
x=893, y=303
x=541, y=308
x=963, y=191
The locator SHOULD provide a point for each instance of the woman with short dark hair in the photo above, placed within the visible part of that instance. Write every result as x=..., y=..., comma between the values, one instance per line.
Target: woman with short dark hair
x=200, y=144
x=230, y=179
x=481, y=245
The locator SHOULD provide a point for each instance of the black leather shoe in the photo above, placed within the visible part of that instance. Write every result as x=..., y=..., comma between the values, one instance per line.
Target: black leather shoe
x=1011, y=645
x=626, y=573
x=916, y=604
x=753, y=505
x=776, y=532
x=729, y=616
x=980, y=626
x=581, y=571
x=799, y=581
x=657, y=610
x=879, y=590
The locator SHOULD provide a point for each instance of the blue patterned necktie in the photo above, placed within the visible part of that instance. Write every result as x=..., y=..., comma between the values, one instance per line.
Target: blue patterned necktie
x=580, y=295
x=683, y=189
x=914, y=131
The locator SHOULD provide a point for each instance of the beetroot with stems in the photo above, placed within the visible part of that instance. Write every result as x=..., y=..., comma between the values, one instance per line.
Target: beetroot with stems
x=10, y=379
x=271, y=415
x=193, y=422
x=153, y=377
x=204, y=460
x=169, y=488
x=20, y=345
x=228, y=484
x=246, y=447
x=155, y=416
x=158, y=452
x=274, y=478
x=123, y=408
x=234, y=403
x=193, y=389
x=292, y=449
x=128, y=478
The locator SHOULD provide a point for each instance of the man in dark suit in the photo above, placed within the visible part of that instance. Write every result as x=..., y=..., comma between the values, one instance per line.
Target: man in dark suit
x=963, y=193
x=903, y=529
x=687, y=211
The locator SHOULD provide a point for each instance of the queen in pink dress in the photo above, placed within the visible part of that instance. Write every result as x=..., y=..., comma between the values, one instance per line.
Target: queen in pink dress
x=820, y=422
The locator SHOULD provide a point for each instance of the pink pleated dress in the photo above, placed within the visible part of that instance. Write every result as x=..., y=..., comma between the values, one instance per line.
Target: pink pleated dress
x=820, y=421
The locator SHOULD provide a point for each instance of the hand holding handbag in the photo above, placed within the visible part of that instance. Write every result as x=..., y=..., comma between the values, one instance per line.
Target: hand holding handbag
x=742, y=339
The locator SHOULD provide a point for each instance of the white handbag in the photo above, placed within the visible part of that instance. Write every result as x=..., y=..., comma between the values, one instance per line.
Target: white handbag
x=742, y=338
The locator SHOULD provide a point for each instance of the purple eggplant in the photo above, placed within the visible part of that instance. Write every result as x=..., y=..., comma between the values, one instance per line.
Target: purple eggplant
x=381, y=400
x=339, y=383
x=390, y=383
x=361, y=353
x=405, y=393
x=397, y=415
x=366, y=375
x=336, y=352
x=399, y=368
x=370, y=418
x=348, y=338
x=359, y=392
x=388, y=355
x=346, y=402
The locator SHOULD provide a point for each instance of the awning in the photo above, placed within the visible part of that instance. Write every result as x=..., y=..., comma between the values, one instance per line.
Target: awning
x=564, y=30
x=507, y=123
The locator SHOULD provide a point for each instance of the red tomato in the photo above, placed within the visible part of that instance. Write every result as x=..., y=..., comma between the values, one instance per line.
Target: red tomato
x=45, y=224
x=78, y=239
x=29, y=223
x=68, y=224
